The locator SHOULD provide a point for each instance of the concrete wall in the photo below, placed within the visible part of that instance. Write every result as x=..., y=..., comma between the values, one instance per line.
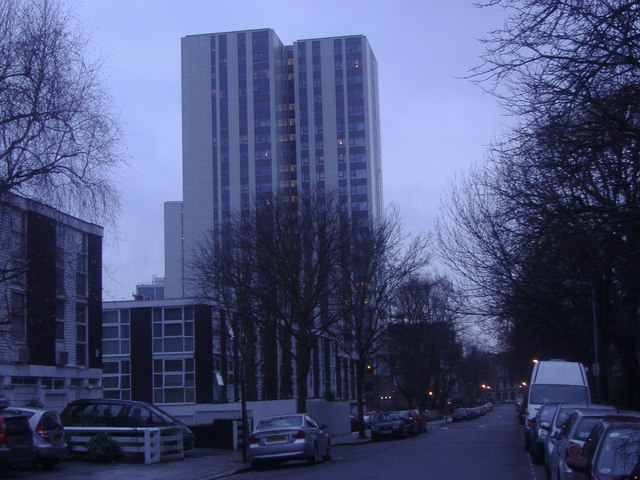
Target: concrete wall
x=333, y=414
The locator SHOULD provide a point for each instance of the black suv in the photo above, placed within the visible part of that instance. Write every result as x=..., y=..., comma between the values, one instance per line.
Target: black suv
x=102, y=412
x=16, y=439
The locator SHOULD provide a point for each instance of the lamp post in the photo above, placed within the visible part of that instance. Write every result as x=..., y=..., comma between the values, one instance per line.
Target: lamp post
x=596, y=342
x=595, y=369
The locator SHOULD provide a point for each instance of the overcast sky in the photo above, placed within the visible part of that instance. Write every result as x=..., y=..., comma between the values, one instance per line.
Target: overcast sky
x=434, y=124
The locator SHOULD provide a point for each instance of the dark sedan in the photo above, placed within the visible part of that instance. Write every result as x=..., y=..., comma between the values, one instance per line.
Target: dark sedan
x=388, y=424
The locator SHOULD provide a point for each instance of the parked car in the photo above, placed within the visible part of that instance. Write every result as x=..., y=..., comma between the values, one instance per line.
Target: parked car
x=521, y=411
x=288, y=437
x=570, y=439
x=540, y=430
x=473, y=412
x=48, y=434
x=16, y=440
x=368, y=418
x=388, y=424
x=410, y=420
x=554, y=381
x=421, y=420
x=611, y=452
x=459, y=413
x=560, y=419
x=355, y=424
x=92, y=412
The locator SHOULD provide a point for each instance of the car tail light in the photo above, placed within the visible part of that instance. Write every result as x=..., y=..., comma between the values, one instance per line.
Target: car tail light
x=573, y=450
x=43, y=432
x=253, y=439
x=530, y=423
x=3, y=431
x=300, y=434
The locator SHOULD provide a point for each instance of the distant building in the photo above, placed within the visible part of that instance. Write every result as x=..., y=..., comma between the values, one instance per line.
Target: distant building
x=179, y=351
x=50, y=304
x=159, y=351
x=260, y=117
x=150, y=291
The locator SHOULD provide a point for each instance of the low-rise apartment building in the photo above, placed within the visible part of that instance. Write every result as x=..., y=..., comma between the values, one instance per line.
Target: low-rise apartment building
x=50, y=305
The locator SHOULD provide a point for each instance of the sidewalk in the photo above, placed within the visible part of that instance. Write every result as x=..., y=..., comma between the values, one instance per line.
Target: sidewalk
x=198, y=464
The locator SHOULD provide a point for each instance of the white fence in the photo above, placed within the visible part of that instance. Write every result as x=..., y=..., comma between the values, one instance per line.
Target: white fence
x=156, y=444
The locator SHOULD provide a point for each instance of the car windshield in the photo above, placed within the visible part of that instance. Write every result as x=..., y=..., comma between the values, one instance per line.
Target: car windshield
x=584, y=428
x=279, y=422
x=546, y=412
x=387, y=417
x=558, y=393
x=619, y=452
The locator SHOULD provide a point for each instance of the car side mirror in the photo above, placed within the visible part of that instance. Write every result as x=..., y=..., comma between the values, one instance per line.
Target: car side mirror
x=578, y=464
x=545, y=425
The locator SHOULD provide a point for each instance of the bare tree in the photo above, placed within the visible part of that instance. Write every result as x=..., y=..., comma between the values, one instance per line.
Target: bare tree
x=58, y=138
x=374, y=266
x=297, y=246
x=225, y=275
x=276, y=267
x=557, y=204
x=423, y=347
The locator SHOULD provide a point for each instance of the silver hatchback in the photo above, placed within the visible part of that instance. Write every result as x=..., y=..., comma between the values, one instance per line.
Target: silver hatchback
x=288, y=437
x=48, y=434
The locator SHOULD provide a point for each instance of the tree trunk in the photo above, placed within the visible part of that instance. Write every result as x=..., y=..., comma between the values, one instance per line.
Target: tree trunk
x=360, y=397
x=285, y=366
x=303, y=364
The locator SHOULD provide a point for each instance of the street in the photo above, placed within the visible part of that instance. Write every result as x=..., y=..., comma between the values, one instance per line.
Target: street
x=486, y=448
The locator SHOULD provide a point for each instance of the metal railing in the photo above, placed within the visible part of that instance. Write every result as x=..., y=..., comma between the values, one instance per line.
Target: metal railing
x=155, y=443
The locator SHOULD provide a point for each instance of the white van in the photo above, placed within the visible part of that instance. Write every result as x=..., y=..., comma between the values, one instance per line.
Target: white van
x=554, y=381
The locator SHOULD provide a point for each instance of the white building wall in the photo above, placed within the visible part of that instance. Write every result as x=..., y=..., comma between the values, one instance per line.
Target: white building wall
x=173, y=249
x=197, y=147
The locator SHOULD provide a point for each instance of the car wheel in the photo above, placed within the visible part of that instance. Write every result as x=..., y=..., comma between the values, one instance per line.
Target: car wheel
x=49, y=462
x=313, y=459
x=536, y=455
x=256, y=465
x=327, y=456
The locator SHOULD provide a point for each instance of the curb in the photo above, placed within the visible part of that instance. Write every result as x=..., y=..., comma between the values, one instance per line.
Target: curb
x=246, y=468
x=363, y=441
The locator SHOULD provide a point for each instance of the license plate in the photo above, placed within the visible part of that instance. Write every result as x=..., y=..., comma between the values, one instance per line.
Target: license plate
x=277, y=438
x=57, y=438
x=19, y=442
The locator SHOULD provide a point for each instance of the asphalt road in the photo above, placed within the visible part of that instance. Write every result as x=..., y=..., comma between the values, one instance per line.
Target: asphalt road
x=486, y=448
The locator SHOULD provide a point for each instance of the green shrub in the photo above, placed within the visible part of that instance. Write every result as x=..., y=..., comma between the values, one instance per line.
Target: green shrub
x=103, y=448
